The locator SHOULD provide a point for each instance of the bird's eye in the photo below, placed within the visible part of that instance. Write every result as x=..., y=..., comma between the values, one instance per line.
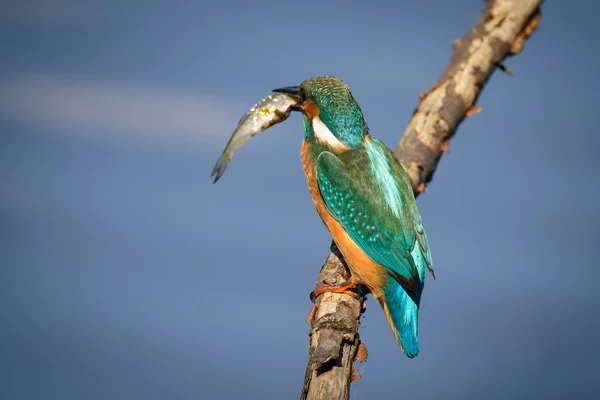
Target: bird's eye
x=302, y=94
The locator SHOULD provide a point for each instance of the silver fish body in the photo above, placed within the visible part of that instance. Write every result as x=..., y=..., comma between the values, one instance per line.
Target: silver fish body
x=269, y=111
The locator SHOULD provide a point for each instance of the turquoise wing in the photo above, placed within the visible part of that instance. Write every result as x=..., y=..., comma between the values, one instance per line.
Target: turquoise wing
x=368, y=192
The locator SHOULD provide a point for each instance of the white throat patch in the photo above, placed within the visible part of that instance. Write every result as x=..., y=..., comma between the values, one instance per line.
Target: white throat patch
x=324, y=135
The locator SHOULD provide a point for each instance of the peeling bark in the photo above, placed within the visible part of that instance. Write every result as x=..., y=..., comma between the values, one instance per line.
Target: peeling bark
x=501, y=31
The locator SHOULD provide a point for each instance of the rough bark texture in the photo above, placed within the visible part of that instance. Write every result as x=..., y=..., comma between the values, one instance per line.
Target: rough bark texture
x=501, y=31
x=334, y=340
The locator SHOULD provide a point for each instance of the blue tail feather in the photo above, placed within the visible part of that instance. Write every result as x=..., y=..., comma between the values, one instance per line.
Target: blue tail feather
x=404, y=313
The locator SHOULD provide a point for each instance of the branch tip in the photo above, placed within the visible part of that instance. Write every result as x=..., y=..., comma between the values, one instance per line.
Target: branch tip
x=473, y=110
x=505, y=69
x=446, y=146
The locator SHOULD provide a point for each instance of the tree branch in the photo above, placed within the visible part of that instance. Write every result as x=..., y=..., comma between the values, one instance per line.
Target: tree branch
x=501, y=31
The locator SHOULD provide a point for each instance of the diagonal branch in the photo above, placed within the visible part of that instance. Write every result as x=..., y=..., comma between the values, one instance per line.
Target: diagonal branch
x=501, y=31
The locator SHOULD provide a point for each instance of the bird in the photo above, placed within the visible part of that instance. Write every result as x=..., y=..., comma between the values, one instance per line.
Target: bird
x=365, y=199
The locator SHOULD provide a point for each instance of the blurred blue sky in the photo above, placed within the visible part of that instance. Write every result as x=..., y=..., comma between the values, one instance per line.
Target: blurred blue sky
x=125, y=274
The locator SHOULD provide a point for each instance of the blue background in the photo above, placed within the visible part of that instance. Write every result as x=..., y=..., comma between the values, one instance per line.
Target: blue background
x=125, y=274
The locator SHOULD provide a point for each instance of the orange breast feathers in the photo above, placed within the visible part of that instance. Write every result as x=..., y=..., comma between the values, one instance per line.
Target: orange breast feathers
x=367, y=271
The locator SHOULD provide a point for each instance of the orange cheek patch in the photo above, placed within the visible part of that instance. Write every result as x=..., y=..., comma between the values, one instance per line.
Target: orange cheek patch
x=311, y=109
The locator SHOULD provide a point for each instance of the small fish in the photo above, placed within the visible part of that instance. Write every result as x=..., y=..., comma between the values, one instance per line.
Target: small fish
x=269, y=111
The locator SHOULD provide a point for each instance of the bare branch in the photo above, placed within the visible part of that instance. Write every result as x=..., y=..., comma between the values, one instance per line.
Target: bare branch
x=501, y=31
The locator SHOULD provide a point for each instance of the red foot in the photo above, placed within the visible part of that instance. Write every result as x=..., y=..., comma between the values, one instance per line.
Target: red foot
x=341, y=288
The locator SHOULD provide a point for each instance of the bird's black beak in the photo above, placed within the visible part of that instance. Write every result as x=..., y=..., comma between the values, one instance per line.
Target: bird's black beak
x=293, y=90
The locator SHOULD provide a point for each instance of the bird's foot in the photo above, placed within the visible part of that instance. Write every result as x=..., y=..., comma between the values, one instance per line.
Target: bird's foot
x=348, y=287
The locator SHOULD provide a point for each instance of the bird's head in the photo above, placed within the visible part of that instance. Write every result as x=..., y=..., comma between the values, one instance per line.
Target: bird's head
x=331, y=115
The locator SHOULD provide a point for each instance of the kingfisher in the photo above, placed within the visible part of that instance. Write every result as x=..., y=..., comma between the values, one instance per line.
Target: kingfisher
x=365, y=199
